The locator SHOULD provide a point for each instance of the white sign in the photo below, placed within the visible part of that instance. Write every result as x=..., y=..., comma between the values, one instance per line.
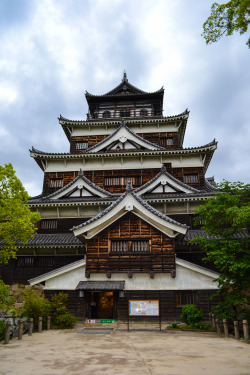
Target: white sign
x=144, y=308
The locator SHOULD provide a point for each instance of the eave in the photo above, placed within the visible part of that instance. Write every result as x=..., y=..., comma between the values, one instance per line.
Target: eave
x=180, y=120
x=206, y=153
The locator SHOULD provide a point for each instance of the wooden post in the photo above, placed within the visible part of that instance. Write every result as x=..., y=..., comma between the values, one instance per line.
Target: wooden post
x=217, y=322
x=48, y=322
x=213, y=320
x=20, y=329
x=7, y=332
x=245, y=330
x=236, y=330
x=30, y=326
x=40, y=324
x=225, y=328
x=210, y=318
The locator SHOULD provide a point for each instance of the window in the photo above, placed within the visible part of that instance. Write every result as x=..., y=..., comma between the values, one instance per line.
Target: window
x=25, y=261
x=143, y=112
x=125, y=113
x=168, y=141
x=133, y=246
x=191, y=179
x=81, y=145
x=106, y=114
x=185, y=298
x=56, y=183
x=40, y=261
x=121, y=181
x=49, y=224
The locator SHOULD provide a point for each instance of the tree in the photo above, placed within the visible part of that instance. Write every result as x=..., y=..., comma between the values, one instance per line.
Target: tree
x=227, y=18
x=225, y=218
x=16, y=219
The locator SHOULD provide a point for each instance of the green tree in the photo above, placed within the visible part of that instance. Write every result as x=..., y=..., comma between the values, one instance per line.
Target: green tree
x=225, y=218
x=227, y=18
x=16, y=219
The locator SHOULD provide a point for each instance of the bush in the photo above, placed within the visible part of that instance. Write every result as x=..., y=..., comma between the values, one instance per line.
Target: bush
x=65, y=321
x=6, y=300
x=191, y=315
x=2, y=330
x=61, y=318
x=36, y=306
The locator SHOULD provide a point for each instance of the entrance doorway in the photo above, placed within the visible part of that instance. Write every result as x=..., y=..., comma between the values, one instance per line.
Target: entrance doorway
x=101, y=305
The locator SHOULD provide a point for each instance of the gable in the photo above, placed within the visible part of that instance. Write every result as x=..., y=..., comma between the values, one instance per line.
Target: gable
x=123, y=138
x=80, y=187
x=129, y=202
x=163, y=183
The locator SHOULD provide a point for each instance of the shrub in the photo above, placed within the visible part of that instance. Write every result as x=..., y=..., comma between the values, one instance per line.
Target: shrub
x=61, y=318
x=6, y=300
x=2, y=329
x=65, y=321
x=36, y=306
x=191, y=315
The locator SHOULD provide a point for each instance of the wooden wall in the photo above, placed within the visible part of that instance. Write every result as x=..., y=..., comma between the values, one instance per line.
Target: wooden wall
x=142, y=175
x=161, y=257
x=12, y=273
x=152, y=137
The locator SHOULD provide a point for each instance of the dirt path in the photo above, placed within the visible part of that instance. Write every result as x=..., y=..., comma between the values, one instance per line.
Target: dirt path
x=121, y=352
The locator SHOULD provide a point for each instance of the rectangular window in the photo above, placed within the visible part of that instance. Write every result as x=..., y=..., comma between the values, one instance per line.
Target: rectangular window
x=121, y=181
x=44, y=261
x=81, y=145
x=56, y=183
x=191, y=179
x=164, y=142
x=49, y=224
x=25, y=261
x=134, y=246
x=185, y=298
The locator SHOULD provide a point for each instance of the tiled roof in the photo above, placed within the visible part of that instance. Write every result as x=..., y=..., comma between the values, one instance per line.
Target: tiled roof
x=193, y=233
x=101, y=285
x=53, y=239
x=129, y=190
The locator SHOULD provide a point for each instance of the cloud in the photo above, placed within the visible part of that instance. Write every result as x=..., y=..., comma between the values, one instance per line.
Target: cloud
x=51, y=52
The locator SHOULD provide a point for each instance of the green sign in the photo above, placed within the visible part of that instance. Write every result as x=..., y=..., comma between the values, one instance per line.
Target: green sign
x=107, y=321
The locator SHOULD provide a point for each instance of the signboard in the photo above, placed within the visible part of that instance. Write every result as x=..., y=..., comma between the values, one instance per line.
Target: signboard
x=101, y=321
x=144, y=308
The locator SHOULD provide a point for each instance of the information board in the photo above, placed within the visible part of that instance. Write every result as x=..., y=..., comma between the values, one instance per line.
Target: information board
x=144, y=308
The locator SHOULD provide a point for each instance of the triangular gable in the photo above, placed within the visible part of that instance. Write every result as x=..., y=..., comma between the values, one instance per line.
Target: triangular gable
x=125, y=88
x=129, y=202
x=123, y=138
x=81, y=186
x=164, y=182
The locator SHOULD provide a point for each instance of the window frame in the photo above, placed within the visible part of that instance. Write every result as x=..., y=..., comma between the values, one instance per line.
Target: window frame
x=129, y=245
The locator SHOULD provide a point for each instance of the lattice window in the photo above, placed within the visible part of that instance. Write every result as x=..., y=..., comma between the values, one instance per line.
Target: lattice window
x=119, y=246
x=49, y=224
x=106, y=114
x=56, y=183
x=121, y=181
x=125, y=113
x=25, y=261
x=185, y=298
x=134, y=246
x=45, y=261
x=82, y=145
x=143, y=112
x=191, y=179
x=164, y=142
x=139, y=246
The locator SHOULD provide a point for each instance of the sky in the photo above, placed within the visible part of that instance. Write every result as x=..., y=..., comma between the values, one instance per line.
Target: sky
x=52, y=51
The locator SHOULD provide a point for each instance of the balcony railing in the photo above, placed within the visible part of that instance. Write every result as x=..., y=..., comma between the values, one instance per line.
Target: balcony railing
x=126, y=114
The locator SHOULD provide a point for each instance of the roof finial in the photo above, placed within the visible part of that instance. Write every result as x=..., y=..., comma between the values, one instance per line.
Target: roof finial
x=163, y=168
x=80, y=173
x=123, y=123
x=129, y=186
x=124, y=77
